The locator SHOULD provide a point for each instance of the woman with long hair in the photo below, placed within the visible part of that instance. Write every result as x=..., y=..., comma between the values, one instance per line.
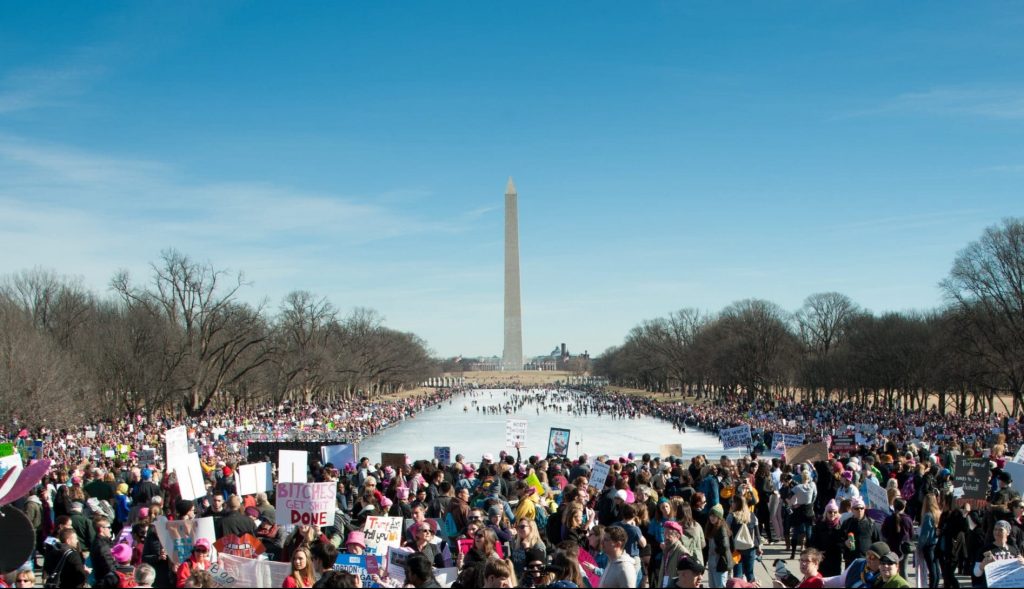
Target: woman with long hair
x=928, y=538
x=527, y=537
x=897, y=530
x=719, y=548
x=302, y=570
x=484, y=542
x=746, y=540
x=564, y=567
x=765, y=489
x=693, y=535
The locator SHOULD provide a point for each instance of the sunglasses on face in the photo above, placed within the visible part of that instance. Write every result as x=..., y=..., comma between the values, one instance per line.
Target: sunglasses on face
x=199, y=550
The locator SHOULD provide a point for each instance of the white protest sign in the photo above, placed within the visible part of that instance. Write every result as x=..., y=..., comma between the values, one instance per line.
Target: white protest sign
x=443, y=454
x=236, y=571
x=599, y=474
x=382, y=532
x=178, y=537
x=255, y=478
x=310, y=504
x=1016, y=472
x=292, y=466
x=396, y=563
x=1005, y=573
x=515, y=431
x=736, y=437
x=1019, y=458
x=877, y=497
x=191, y=483
x=176, y=441
x=339, y=455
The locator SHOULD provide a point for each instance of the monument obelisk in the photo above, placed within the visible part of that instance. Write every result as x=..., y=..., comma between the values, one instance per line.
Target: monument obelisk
x=512, y=356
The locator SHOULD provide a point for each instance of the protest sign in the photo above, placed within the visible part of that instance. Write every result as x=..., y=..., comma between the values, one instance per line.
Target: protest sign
x=255, y=478
x=292, y=466
x=515, y=432
x=6, y=449
x=339, y=455
x=558, y=442
x=447, y=576
x=807, y=453
x=844, y=444
x=790, y=440
x=877, y=497
x=382, y=532
x=176, y=441
x=585, y=558
x=443, y=454
x=191, y=483
x=178, y=537
x=356, y=564
x=396, y=563
x=1004, y=573
x=1019, y=457
x=667, y=450
x=599, y=474
x=147, y=456
x=466, y=544
x=1016, y=472
x=534, y=482
x=972, y=475
x=736, y=437
x=310, y=504
x=394, y=460
x=246, y=546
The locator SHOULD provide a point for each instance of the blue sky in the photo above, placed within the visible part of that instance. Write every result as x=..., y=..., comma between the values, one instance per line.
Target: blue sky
x=667, y=155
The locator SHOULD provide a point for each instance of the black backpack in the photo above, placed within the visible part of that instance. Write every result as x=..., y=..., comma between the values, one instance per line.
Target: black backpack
x=53, y=579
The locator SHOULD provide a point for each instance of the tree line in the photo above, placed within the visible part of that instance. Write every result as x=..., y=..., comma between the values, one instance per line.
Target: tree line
x=967, y=355
x=185, y=341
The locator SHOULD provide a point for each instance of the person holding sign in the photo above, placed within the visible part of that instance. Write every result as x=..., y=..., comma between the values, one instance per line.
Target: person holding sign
x=199, y=561
x=999, y=549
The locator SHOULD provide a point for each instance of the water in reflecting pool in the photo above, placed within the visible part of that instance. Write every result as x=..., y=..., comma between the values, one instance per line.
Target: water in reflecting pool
x=474, y=433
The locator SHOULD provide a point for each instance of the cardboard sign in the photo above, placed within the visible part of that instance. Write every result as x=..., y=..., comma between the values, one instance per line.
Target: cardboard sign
x=1005, y=573
x=176, y=441
x=443, y=454
x=558, y=442
x=599, y=475
x=394, y=460
x=736, y=437
x=311, y=504
x=255, y=478
x=515, y=432
x=972, y=475
x=292, y=466
x=246, y=546
x=339, y=455
x=675, y=450
x=382, y=532
x=877, y=497
x=191, y=483
x=178, y=537
x=806, y=453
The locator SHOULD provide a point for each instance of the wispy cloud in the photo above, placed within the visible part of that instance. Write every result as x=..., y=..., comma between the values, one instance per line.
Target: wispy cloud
x=51, y=85
x=993, y=103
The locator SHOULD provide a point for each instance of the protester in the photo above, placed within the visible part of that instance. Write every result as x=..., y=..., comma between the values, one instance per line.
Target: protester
x=198, y=561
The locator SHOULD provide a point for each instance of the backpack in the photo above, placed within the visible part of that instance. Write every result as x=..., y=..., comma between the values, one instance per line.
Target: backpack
x=742, y=538
x=53, y=579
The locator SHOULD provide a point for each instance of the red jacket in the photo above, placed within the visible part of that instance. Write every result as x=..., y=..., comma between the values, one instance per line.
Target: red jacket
x=186, y=568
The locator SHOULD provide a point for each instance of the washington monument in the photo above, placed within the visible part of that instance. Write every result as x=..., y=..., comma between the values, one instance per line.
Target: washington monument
x=512, y=356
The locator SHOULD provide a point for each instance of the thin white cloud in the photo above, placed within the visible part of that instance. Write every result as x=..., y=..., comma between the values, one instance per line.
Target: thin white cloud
x=993, y=103
x=52, y=85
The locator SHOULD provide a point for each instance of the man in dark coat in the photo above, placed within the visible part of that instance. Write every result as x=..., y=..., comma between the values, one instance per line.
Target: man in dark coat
x=236, y=522
x=104, y=567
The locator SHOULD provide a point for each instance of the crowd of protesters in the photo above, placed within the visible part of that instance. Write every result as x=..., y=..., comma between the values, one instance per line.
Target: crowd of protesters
x=537, y=521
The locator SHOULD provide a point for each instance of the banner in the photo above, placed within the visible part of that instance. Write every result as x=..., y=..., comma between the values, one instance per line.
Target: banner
x=339, y=455
x=558, y=442
x=235, y=571
x=599, y=474
x=443, y=454
x=191, y=483
x=736, y=437
x=255, y=478
x=178, y=537
x=807, y=453
x=1004, y=573
x=972, y=475
x=176, y=441
x=515, y=432
x=311, y=504
x=292, y=466
x=382, y=532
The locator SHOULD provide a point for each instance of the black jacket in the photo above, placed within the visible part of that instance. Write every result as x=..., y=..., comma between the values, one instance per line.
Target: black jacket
x=103, y=564
x=72, y=572
x=237, y=523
